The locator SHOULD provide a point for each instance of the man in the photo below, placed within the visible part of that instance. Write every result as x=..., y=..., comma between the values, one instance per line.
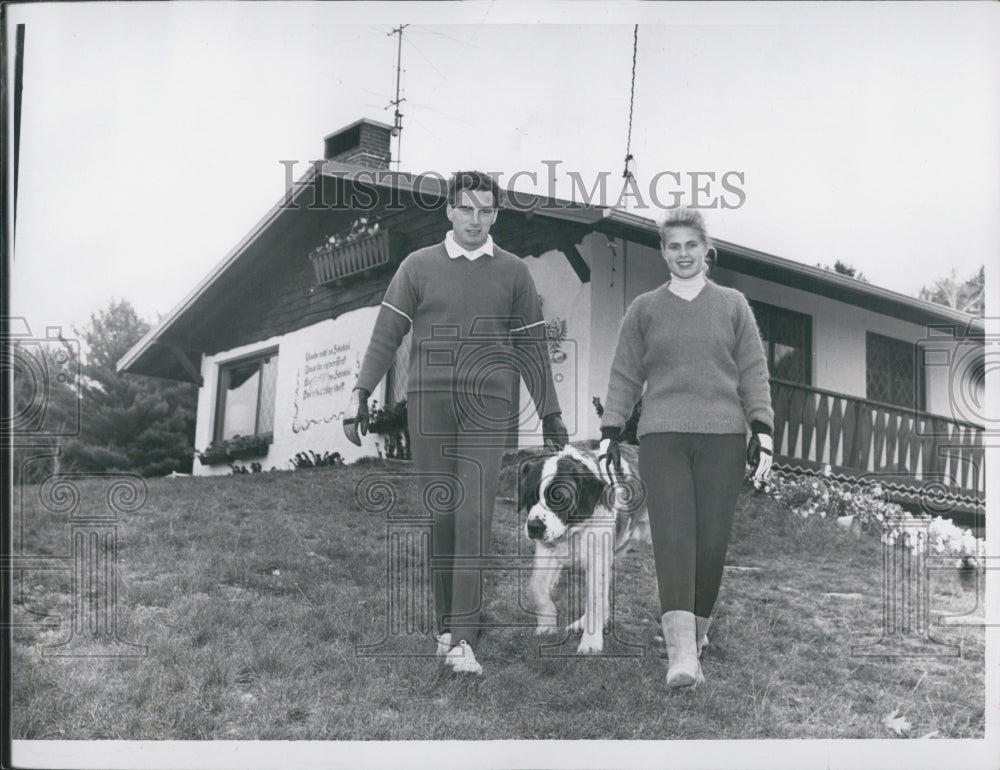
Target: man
x=477, y=324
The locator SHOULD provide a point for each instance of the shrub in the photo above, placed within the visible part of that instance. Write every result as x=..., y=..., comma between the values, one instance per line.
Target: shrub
x=235, y=448
x=312, y=460
x=868, y=503
x=390, y=423
x=255, y=467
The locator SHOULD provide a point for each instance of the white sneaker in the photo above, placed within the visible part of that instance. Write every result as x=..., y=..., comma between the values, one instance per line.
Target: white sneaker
x=462, y=659
x=443, y=644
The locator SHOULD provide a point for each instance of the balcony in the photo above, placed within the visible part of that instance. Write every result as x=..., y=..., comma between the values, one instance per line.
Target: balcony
x=919, y=458
x=333, y=263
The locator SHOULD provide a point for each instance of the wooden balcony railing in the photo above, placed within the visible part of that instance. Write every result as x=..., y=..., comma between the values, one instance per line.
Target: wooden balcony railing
x=864, y=438
x=334, y=263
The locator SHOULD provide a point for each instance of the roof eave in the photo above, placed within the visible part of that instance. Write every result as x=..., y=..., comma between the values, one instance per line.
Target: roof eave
x=933, y=311
x=151, y=337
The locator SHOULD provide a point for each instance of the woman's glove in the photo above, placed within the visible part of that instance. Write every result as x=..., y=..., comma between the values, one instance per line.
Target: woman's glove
x=760, y=451
x=554, y=433
x=357, y=416
x=609, y=455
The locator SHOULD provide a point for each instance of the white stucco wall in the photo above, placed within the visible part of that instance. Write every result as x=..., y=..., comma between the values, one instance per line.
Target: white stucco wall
x=607, y=282
x=317, y=367
x=563, y=297
x=839, y=346
x=644, y=269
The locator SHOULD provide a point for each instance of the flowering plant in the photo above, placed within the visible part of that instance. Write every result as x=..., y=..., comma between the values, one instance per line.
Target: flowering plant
x=869, y=505
x=360, y=228
x=234, y=448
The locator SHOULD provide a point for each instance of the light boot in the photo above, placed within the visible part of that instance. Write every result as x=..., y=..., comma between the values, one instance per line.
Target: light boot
x=462, y=659
x=443, y=644
x=682, y=648
x=701, y=632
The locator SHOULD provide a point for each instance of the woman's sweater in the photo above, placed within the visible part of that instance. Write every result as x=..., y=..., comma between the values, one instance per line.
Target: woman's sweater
x=701, y=361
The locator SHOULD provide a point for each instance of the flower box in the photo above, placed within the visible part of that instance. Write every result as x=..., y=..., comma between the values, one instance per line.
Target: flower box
x=213, y=456
x=333, y=262
x=235, y=448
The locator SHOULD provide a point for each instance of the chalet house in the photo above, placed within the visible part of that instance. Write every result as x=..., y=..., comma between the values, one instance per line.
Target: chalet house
x=865, y=380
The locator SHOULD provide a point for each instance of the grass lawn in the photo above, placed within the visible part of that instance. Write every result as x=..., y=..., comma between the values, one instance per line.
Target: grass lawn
x=252, y=592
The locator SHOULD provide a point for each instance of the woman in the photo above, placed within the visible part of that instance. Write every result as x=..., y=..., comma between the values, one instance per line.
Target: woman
x=695, y=347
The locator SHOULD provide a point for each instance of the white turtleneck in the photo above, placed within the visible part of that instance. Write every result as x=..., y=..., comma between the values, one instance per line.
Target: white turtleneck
x=687, y=288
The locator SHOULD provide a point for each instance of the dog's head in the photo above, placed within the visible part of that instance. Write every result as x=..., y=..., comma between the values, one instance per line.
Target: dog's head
x=558, y=491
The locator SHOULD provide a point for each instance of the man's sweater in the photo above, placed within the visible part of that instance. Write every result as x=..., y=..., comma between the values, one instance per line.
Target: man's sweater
x=476, y=325
x=701, y=361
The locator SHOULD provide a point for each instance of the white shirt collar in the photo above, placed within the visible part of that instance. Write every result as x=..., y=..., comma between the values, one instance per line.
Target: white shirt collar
x=455, y=251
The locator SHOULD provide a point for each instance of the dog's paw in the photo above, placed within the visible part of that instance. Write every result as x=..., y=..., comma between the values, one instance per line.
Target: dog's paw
x=577, y=625
x=590, y=645
x=546, y=628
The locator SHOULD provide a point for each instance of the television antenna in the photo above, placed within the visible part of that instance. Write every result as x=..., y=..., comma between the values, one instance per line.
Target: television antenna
x=629, y=172
x=397, y=120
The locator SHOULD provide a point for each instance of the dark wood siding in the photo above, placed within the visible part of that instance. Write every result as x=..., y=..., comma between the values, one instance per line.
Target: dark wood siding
x=271, y=290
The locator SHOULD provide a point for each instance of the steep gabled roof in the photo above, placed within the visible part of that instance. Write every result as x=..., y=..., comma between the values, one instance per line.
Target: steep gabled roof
x=166, y=350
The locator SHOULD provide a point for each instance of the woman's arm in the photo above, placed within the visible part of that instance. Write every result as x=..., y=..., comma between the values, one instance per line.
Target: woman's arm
x=754, y=384
x=628, y=374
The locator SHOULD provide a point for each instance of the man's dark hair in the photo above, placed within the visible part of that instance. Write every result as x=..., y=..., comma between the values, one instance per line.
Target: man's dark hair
x=472, y=180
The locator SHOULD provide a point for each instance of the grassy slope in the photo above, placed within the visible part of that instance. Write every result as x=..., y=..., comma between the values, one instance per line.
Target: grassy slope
x=252, y=591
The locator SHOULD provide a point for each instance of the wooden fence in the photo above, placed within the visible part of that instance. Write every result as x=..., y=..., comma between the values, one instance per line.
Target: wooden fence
x=858, y=437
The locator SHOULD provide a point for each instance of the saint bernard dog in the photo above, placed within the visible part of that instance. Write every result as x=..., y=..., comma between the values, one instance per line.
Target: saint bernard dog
x=577, y=520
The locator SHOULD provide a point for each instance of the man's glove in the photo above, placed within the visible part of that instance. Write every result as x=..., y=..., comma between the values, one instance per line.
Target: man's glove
x=357, y=416
x=609, y=455
x=554, y=432
x=760, y=451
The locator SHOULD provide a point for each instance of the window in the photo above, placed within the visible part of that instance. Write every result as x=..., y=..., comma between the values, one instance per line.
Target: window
x=891, y=372
x=245, y=401
x=787, y=337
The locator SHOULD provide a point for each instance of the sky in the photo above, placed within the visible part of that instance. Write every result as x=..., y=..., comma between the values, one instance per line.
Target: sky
x=152, y=134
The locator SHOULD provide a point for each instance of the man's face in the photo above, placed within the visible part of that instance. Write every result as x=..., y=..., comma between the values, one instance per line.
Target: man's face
x=472, y=216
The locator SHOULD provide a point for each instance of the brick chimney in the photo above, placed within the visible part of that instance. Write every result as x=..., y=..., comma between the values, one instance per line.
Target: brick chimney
x=362, y=143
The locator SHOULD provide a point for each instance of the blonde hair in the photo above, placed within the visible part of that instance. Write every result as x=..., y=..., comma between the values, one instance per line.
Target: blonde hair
x=685, y=217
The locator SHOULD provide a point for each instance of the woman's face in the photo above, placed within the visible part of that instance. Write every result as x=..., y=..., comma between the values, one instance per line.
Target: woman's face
x=684, y=252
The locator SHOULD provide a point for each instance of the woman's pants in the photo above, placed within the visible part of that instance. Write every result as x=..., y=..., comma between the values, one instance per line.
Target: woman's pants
x=692, y=482
x=457, y=443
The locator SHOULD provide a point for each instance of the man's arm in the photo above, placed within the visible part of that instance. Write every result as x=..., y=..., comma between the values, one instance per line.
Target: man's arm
x=393, y=322
x=394, y=319
x=528, y=335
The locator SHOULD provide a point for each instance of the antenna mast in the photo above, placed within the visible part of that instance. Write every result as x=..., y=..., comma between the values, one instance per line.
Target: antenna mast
x=397, y=122
x=629, y=172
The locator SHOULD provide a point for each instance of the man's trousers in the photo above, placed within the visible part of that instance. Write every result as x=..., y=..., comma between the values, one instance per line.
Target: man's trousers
x=457, y=442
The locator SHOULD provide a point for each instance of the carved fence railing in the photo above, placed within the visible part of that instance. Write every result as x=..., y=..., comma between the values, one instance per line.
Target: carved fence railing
x=859, y=437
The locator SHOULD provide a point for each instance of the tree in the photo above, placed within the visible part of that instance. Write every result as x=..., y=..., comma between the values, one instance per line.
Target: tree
x=46, y=406
x=845, y=269
x=969, y=295
x=129, y=422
